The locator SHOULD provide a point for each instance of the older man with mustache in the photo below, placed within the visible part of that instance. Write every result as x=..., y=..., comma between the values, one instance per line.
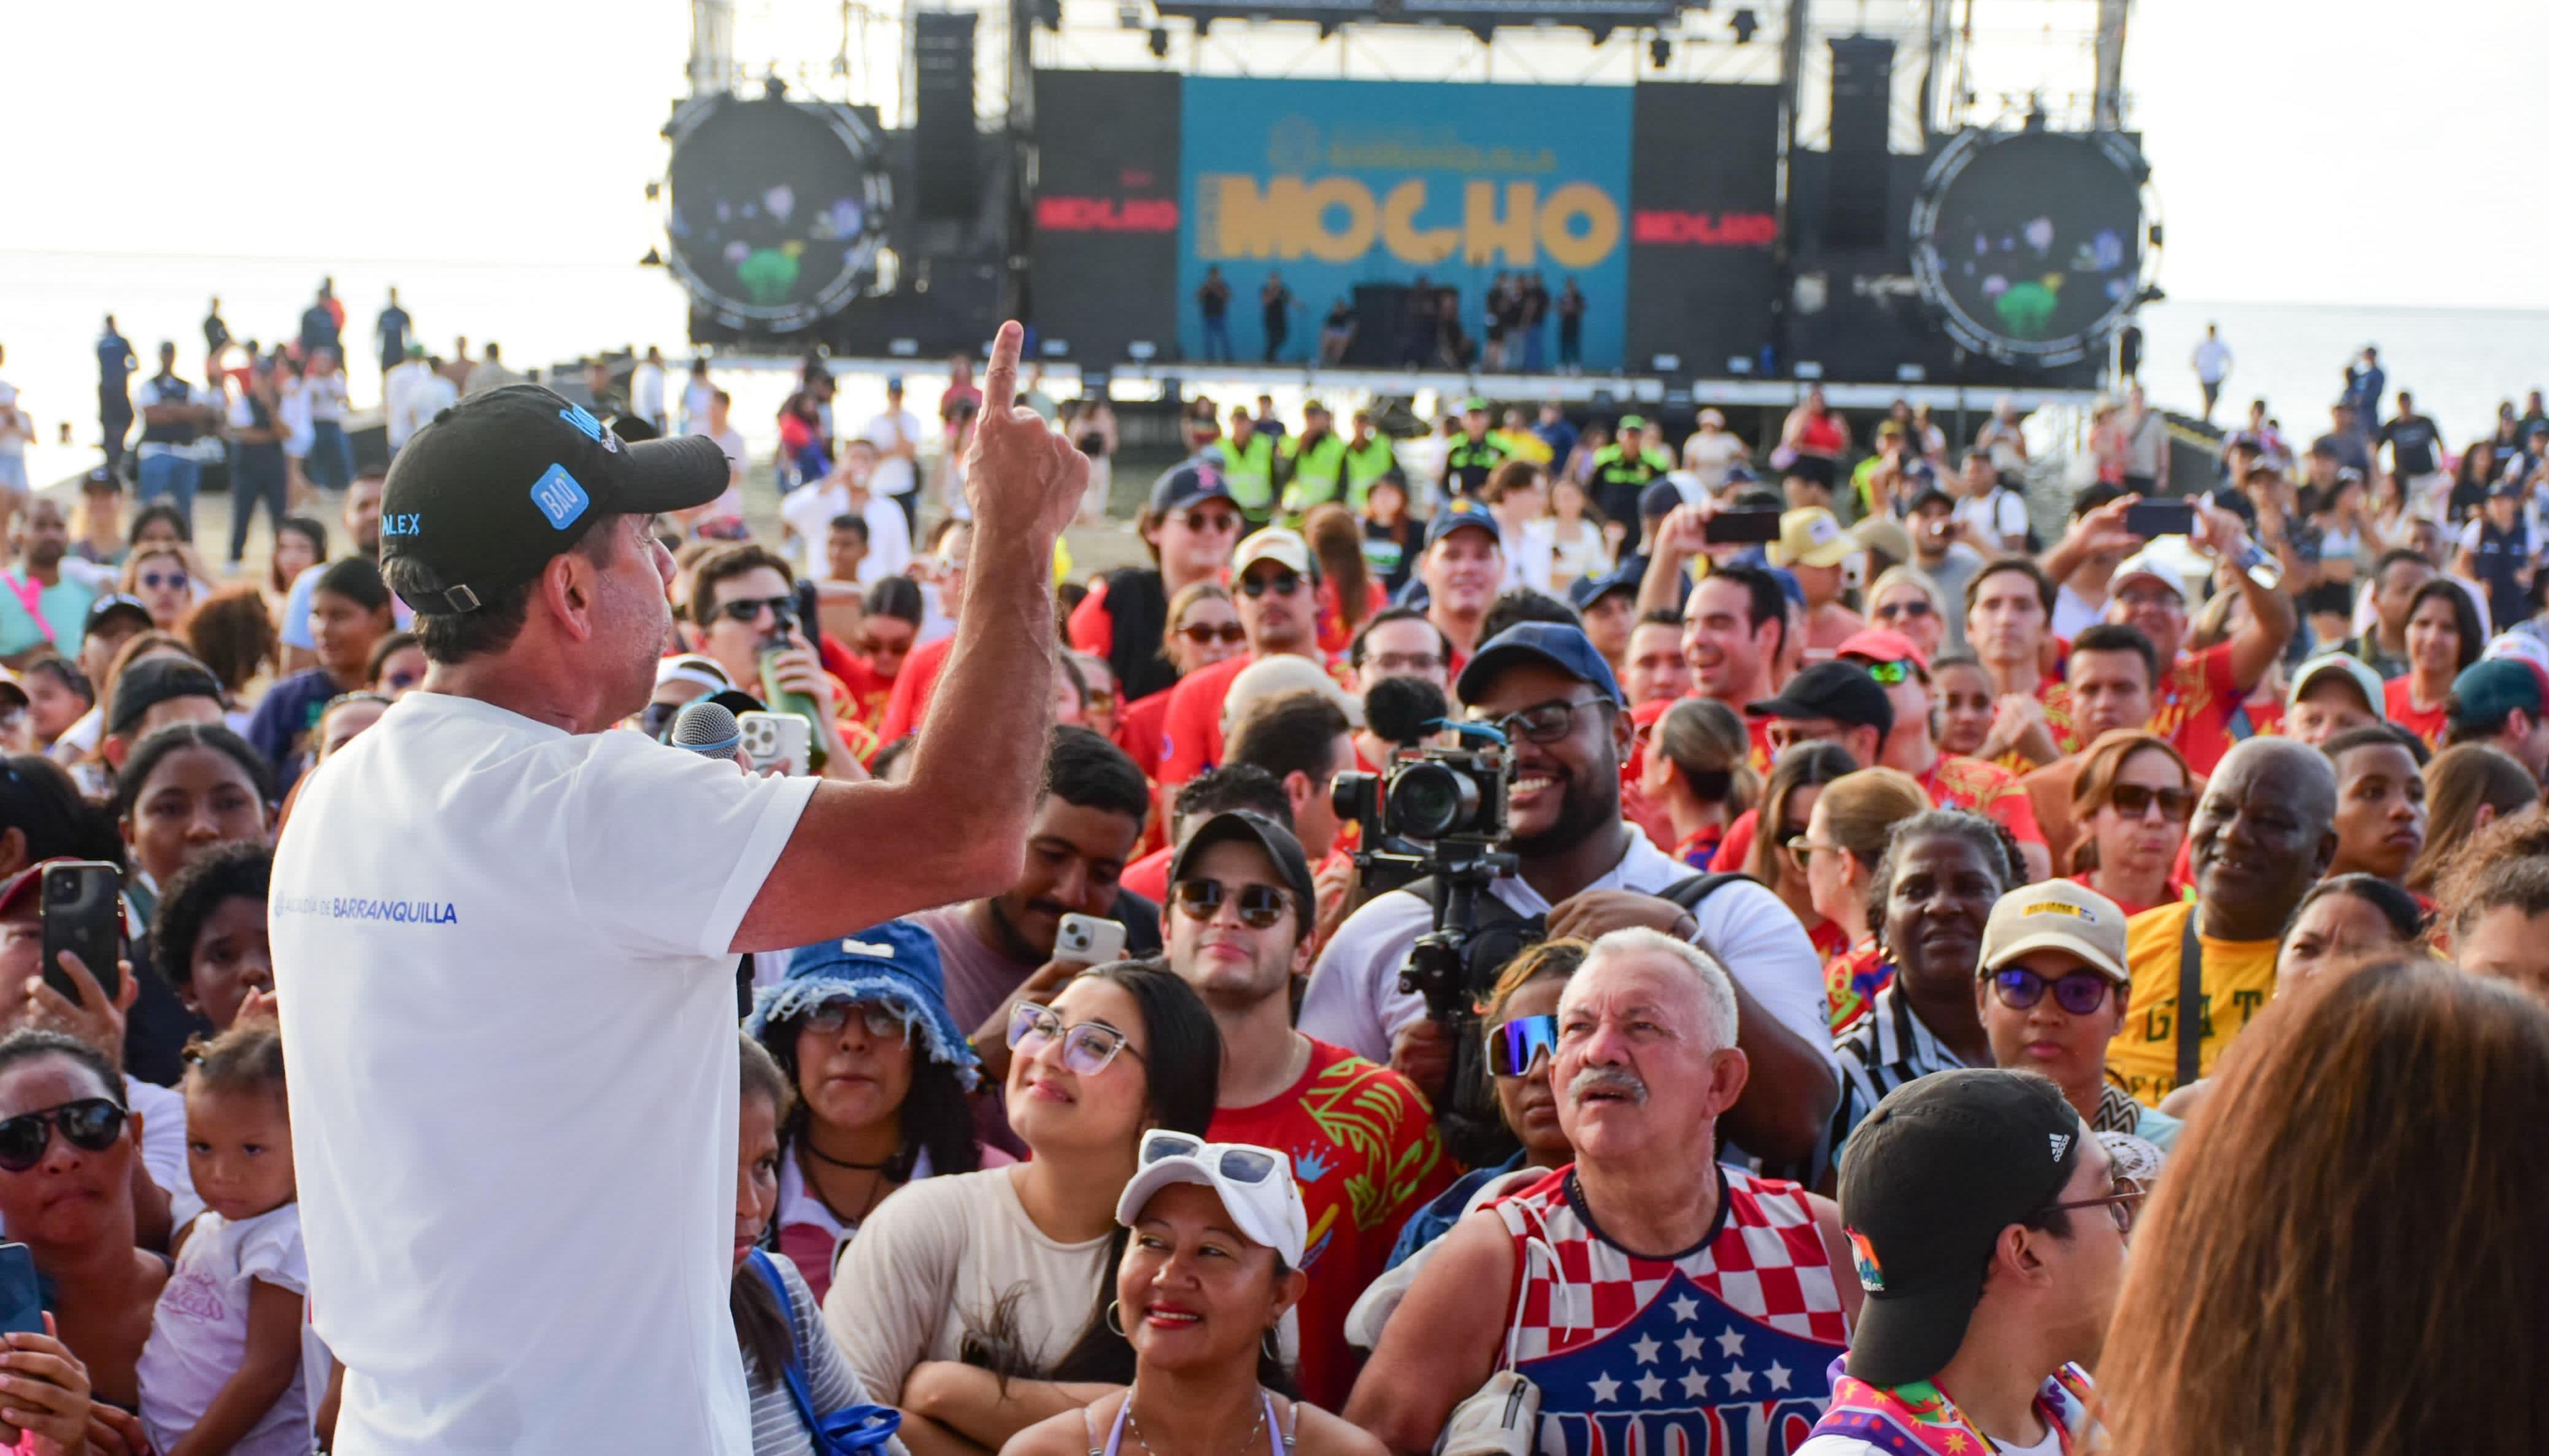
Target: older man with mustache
x=1648, y=1288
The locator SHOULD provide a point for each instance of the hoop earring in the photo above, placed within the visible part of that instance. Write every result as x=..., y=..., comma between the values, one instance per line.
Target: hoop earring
x=1274, y=1349
x=1114, y=1318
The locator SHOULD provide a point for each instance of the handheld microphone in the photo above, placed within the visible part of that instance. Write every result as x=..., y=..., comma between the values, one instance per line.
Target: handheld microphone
x=707, y=729
x=1404, y=709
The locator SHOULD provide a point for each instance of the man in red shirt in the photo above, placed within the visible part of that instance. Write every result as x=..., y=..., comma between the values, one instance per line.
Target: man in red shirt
x=1237, y=928
x=1733, y=630
x=918, y=679
x=2009, y=623
x=2106, y=688
x=1951, y=781
x=2194, y=696
x=1276, y=590
x=1463, y=569
x=1657, y=671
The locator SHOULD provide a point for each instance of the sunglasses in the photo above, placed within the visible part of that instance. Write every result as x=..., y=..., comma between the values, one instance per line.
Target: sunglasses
x=1206, y=634
x=881, y=1021
x=1260, y=905
x=1522, y=1043
x=1086, y=1048
x=1210, y=521
x=2134, y=800
x=1802, y=850
x=1240, y=1162
x=750, y=608
x=158, y=582
x=1890, y=674
x=1281, y=584
x=2121, y=1205
x=1915, y=609
x=91, y=1125
x=2078, y=992
x=1545, y=722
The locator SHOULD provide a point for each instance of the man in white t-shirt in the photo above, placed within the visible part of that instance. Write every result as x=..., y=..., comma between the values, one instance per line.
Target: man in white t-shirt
x=808, y=511
x=1990, y=517
x=16, y=429
x=646, y=389
x=895, y=433
x=505, y=939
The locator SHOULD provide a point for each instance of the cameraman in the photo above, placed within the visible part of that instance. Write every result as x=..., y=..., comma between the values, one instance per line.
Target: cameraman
x=1583, y=868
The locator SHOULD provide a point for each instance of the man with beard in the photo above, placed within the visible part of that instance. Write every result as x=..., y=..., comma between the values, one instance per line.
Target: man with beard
x=44, y=608
x=1584, y=869
x=2263, y=833
x=1274, y=588
x=1000, y=948
x=1734, y=1332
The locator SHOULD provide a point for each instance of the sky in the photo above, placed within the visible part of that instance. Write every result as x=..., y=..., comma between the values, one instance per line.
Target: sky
x=2304, y=151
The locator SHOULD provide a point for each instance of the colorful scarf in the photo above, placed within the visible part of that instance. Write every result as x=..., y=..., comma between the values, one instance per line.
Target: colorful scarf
x=1917, y=1419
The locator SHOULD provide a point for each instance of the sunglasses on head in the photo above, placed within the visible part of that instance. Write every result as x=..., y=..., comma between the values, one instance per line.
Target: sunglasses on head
x=1086, y=1048
x=1522, y=1043
x=749, y=608
x=2134, y=800
x=2078, y=992
x=1281, y=584
x=1260, y=905
x=90, y=1124
x=1893, y=609
x=1206, y=634
x=1239, y=1162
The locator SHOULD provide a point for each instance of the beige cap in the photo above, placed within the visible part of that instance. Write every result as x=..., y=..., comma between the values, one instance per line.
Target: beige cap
x=1277, y=676
x=1275, y=544
x=1881, y=532
x=2058, y=914
x=1810, y=536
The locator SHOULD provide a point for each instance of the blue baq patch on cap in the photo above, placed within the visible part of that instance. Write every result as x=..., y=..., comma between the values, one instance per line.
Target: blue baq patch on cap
x=559, y=497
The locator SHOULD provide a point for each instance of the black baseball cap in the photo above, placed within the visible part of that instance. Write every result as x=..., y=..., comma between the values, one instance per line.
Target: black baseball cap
x=1842, y=692
x=1583, y=591
x=1250, y=827
x=1554, y=644
x=499, y=484
x=1188, y=482
x=112, y=605
x=1927, y=1182
x=156, y=680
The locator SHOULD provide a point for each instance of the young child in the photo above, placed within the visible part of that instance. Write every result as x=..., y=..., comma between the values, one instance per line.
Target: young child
x=209, y=936
x=222, y=1369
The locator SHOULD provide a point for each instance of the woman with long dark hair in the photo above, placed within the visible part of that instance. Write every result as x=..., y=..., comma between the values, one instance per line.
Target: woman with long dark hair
x=961, y=1292
x=1844, y=843
x=2443, y=638
x=880, y=1073
x=1796, y=782
x=1348, y=595
x=2468, y=786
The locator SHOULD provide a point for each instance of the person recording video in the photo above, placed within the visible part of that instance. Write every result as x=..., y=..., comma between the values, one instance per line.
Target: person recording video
x=1579, y=865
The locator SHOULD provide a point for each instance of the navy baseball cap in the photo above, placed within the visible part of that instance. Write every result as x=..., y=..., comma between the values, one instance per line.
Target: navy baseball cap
x=1188, y=482
x=1583, y=591
x=1554, y=644
x=1458, y=513
x=1660, y=499
x=498, y=484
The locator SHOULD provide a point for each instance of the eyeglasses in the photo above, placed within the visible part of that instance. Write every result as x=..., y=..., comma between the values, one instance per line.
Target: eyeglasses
x=1281, y=584
x=1260, y=905
x=2121, y=1205
x=1206, y=634
x=1407, y=664
x=1240, y=1162
x=1521, y=1044
x=157, y=582
x=1545, y=722
x=90, y=1124
x=1890, y=674
x=2134, y=800
x=1086, y=1048
x=1802, y=850
x=2078, y=992
x=750, y=608
x=881, y=1021
x=1914, y=610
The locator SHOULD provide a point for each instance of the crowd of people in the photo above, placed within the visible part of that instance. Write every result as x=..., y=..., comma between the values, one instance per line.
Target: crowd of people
x=1901, y=916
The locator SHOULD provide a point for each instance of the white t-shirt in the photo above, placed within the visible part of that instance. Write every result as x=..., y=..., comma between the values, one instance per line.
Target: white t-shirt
x=1713, y=457
x=696, y=396
x=808, y=511
x=14, y=432
x=2073, y=615
x=199, y=1332
x=894, y=474
x=2212, y=362
x=510, y=1024
x=646, y=391
x=327, y=396
x=1354, y=1000
x=1998, y=515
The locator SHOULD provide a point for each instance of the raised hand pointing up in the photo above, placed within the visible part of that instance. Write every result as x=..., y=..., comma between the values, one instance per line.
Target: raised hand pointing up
x=1019, y=473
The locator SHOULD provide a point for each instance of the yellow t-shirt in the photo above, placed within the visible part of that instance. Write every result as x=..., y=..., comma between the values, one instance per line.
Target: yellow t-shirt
x=2238, y=980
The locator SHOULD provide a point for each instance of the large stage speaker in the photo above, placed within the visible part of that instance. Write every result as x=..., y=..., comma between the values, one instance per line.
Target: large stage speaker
x=1863, y=100
x=945, y=157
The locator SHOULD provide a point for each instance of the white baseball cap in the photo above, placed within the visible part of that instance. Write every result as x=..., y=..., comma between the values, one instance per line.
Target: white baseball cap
x=1255, y=1184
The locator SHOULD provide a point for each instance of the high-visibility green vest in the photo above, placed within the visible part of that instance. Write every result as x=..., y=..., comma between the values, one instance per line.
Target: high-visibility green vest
x=1249, y=470
x=1316, y=473
x=1468, y=463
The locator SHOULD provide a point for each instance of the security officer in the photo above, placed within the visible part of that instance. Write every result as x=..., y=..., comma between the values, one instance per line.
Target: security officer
x=1623, y=469
x=1475, y=455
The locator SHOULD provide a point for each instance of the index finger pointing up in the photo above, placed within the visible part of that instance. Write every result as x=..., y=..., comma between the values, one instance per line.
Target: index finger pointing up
x=1000, y=379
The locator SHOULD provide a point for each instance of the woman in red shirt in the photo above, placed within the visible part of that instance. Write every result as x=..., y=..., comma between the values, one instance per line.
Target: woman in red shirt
x=1348, y=595
x=2444, y=639
x=1693, y=767
x=2133, y=801
x=1203, y=629
x=1795, y=784
x=1844, y=838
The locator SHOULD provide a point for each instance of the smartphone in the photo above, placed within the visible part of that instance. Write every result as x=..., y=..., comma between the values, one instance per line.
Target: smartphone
x=22, y=1304
x=2150, y=519
x=1085, y=939
x=778, y=743
x=82, y=907
x=1742, y=527
x=810, y=606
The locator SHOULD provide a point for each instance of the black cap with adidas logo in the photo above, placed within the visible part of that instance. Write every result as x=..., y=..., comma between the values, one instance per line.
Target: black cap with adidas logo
x=499, y=484
x=1927, y=1182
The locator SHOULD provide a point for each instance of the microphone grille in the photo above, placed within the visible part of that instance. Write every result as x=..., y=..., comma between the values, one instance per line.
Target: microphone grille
x=708, y=729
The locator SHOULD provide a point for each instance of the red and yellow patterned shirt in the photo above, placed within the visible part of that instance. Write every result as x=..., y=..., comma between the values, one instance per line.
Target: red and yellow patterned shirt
x=1852, y=980
x=2192, y=708
x=1955, y=782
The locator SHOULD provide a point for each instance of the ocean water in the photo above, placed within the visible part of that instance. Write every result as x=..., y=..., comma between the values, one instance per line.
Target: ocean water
x=2459, y=362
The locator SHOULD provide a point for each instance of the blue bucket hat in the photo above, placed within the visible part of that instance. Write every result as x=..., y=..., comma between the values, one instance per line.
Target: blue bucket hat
x=894, y=964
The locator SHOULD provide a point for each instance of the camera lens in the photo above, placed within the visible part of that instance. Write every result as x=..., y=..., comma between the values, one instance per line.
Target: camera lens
x=1430, y=800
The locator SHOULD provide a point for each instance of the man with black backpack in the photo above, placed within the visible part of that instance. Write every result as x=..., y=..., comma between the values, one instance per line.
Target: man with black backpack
x=1584, y=870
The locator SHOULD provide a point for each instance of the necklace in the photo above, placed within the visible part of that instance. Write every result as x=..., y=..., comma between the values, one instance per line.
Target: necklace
x=877, y=1187
x=807, y=1146
x=1134, y=1424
